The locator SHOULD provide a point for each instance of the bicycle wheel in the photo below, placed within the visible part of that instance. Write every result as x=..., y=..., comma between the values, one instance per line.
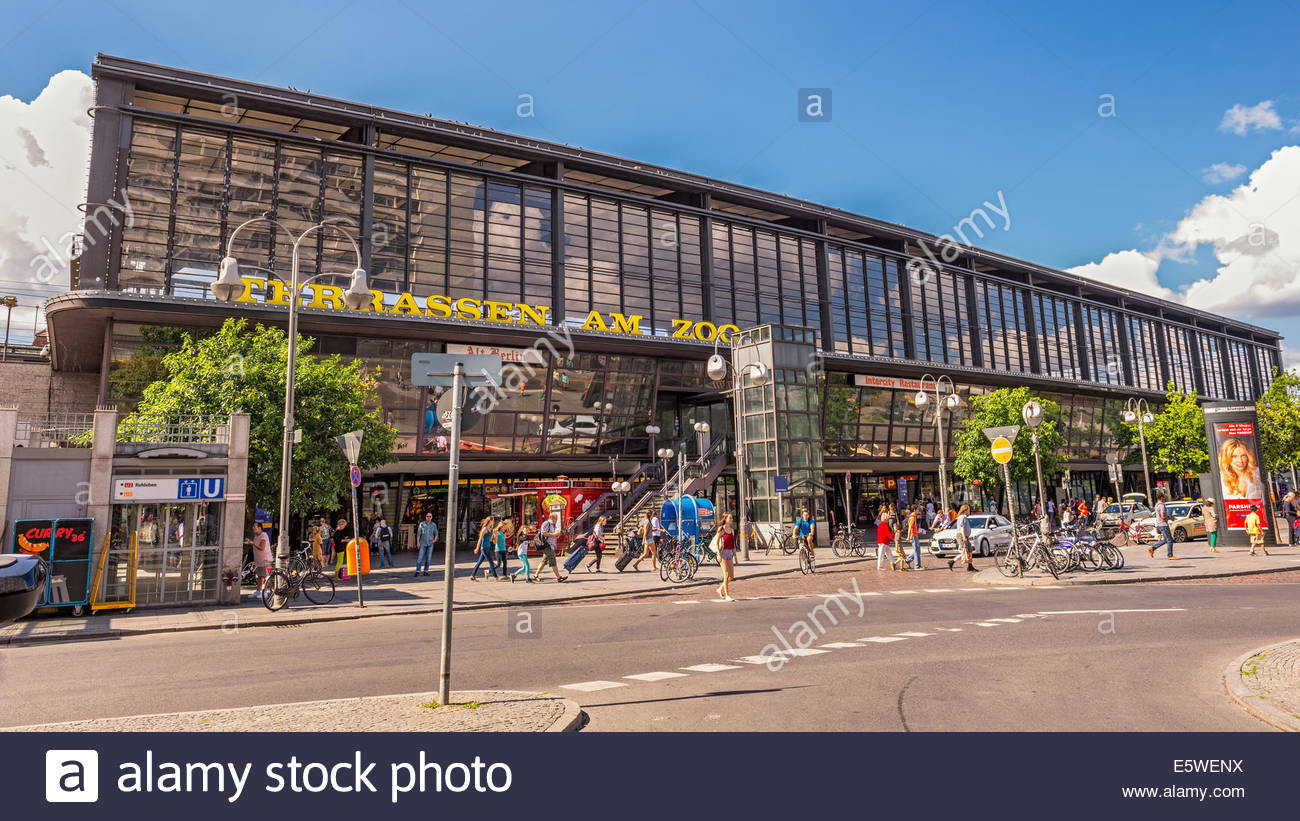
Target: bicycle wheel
x=1048, y=562
x=1090, y=558
x=318, y=588
x=276, y=590
x=1010, y=563
x=788, y=545
x=841, y=547
x=805, y=561
x=1117, y=558
x=679, y=569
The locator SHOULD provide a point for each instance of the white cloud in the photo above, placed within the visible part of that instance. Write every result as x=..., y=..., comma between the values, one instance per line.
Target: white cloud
x=1221, y=172
x=1130, y=269
x=1254, y=232
x=1260, y=117
x=43, y=152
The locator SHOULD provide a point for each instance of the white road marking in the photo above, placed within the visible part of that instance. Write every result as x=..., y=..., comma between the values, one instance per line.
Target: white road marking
x=913, y=635
x=838, y=645
x=949, y=629
x=761, y=659
x=903, y=592
x=883, y=639
x=1107, y=612
x=938, y=590
x=656, y=676
x=687, y=601
x=711, y=668
x=982, y=623
x=591, y=686
x=803, y=651
x=1029, y=616
x=1008, y=621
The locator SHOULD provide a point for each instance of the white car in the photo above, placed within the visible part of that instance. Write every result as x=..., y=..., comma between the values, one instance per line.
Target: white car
x=989, y=534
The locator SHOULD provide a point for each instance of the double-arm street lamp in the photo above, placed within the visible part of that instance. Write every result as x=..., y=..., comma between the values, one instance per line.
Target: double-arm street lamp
x=951, y=401
x=228, y=286
x=1137, y=410
x=717, y=369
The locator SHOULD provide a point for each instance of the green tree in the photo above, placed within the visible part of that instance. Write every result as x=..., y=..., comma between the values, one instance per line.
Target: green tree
x=1176, y=436
x=1279, y=420
x=974, y=459
x=144, y=366
x=238, y=369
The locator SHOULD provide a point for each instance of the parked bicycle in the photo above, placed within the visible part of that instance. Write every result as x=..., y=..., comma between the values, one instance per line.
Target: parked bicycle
x=281, y=587
x=849, y=541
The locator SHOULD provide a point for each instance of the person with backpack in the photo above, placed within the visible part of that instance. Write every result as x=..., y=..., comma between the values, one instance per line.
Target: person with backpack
x=550, y=538
x=382, y=538
x=596, y=544
x=484, y=548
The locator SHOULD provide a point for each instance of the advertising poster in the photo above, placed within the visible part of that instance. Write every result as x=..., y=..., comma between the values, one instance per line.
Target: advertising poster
x=1240, y=484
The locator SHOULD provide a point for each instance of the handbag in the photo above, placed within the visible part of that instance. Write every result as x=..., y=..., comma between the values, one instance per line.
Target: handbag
x=715, y=543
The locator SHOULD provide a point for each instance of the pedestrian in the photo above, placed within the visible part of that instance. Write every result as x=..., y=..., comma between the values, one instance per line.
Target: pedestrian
x=1211, y=524
x=484, y=548
x=426, y=536
x=382, y=539
x=1162, y=528
x=648, y=548
x=504, y=533
x=1290, y=510
x=963, y=539
x=317, y=545
x=550, y=534
x=1085, y=515
x=1255, y=529
x=656, y=531
x=597, y=544
x=1051, y=510
x=261, y=544
x=342, y=533
x=326, y=540
x=727, y=557
x=914, y=535
x=522, y=545
x=885, y=538
x=929, y=510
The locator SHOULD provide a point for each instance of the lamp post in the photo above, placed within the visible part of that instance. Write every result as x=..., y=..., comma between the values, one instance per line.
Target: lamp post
x=228, y=285
x=652, y=432
x=1137, y=410
x=666, y=454
x=951, y=401
x=701, y=430
x=9, y=302
x=1032, y=413
x=620, y=487
x=717, y=369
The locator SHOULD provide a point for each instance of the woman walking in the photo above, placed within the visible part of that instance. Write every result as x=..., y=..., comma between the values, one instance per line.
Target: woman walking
x=598, y=532
x=1211, y=524
x=914, y=535
x=522, y=543
x=647, y=544
x=727, y=557
x=503, y=533
x=884, y=537
x=484, y=548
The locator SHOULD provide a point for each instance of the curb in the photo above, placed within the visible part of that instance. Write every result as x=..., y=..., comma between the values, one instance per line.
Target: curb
x=118, y=633
x=1099, y=577
x=1253, y=703
x=571, y=721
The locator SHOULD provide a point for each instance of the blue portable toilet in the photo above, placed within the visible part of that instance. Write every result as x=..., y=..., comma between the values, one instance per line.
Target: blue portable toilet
x=697, y=516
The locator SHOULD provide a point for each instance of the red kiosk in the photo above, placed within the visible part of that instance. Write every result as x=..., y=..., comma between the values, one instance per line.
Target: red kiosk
x=530, y=502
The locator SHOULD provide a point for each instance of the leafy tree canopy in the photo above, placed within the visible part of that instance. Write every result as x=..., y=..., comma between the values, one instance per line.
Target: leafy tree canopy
x=1279, y=420
x=974, y=459
x=243, y=369
x=1176, y=437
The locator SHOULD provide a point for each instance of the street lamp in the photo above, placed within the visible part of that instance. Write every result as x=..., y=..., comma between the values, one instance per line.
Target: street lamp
x=228, y=285
x=951, y=401
x=701, y=429
x=9, y=302
x=717, y=368
x=652, y=431
x=1137, y=410
x=620, y=488
x=1032, y=413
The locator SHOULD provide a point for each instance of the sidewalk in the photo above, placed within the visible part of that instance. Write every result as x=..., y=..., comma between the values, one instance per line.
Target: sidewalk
x=387, y=592
x=1195, y=562
x=472, y=711
x=1266, y=682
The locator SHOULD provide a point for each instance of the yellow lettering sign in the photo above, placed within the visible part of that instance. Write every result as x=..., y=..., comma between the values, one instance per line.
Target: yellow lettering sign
x=322, y=294
x=533, y=315
x=626, y=324
x=249, y=284
x=595, y=322
x=469, y=308
x=406, y=305
x=438, y=305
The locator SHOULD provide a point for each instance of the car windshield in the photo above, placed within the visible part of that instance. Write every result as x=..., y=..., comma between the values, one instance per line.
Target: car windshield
x=979, y=521
x=1179, y=511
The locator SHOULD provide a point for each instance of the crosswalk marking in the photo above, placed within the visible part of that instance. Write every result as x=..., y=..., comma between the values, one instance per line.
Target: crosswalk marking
x=656, y=676
x=591, y=686
x=903, y=592
x=759, y=659
x=711, y=668
x=883, y=639
x=839, y=645
x=804, y=651
x=938, y=589
x=982, y=623
x=949, y=629
x=1008, y=621
x=914, y=635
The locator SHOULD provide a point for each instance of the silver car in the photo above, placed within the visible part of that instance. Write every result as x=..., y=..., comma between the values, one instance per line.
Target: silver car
x=989, y=534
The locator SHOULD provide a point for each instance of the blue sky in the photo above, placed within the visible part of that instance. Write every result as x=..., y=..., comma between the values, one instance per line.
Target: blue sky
x=936, y=107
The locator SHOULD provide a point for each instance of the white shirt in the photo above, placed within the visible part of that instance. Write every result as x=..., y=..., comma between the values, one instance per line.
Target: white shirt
x=550, y=531
x=655, y=527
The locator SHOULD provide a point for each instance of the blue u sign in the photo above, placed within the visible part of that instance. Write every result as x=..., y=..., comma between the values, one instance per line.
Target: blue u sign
x=214, y=487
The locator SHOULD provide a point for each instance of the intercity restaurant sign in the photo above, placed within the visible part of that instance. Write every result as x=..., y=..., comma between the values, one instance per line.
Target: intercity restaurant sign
x=440, y=306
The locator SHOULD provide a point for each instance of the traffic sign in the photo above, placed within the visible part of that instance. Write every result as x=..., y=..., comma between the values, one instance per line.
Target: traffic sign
x=432, y=369
x=1001, y=450
x=350, y=444
x=781, y=484
x=355, y=475
x=1007, y=432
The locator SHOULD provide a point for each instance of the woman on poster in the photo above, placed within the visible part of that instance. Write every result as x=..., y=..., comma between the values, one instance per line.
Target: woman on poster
x=1239, y=470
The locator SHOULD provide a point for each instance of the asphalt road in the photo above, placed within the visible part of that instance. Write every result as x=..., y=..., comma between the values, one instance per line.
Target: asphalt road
x=1139, y=657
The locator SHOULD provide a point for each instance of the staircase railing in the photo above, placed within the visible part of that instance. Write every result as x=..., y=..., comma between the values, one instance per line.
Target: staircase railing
x=641, y=480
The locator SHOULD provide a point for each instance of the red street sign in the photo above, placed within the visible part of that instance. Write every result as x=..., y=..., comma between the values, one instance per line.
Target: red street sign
x=355, y=475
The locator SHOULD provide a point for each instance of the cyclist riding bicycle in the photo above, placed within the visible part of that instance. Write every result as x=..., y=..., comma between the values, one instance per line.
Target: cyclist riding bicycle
x=805, y=530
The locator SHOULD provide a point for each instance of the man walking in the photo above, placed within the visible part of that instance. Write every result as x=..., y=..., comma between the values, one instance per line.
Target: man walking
x=1162, y=528
x=550, y=533
x=426, y=536
x=382, y=538
x=1290, y=510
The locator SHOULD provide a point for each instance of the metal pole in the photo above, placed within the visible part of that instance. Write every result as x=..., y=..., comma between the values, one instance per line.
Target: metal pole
x=449, y=562
x=943, y=456
x=1146, y=472
x=356, y=547
x=8, y=318
x=286, y=453
x=1042, y=497
x=1011, y=507
x=740, y=459
x=681, y=488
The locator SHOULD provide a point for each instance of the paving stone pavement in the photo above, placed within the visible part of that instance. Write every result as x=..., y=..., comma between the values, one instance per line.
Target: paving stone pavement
x=474, y=711
x=1195, y=562
x=1267, y=683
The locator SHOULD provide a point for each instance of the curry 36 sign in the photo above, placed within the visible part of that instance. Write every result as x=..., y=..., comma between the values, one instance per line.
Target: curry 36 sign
x=441, y=306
